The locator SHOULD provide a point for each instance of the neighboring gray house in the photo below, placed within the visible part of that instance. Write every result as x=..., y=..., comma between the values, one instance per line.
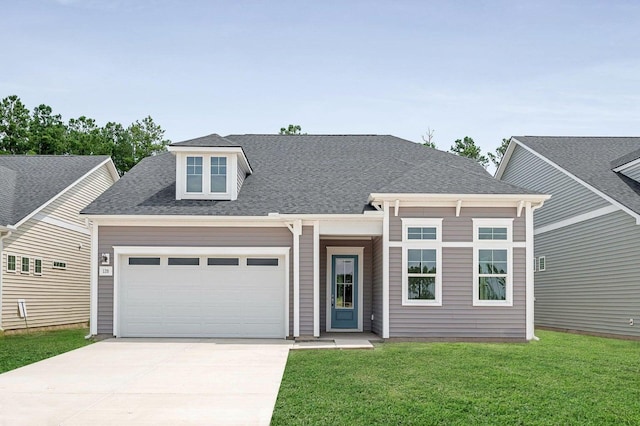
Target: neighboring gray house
x=288, y=236
x=44, y=243
x=587, y=237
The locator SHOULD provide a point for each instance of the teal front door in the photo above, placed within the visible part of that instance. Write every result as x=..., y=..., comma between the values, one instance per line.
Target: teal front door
x=344, y=291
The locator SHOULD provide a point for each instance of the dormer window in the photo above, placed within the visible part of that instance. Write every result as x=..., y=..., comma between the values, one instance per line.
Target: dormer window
x=218, y=174
x=194, y=174
x=209, y=172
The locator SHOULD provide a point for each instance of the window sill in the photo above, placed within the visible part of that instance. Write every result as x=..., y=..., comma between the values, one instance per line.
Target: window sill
x=488, y=303
x=421, y=303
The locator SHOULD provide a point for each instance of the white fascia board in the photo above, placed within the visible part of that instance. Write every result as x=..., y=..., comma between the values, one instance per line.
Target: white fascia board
x=621, y=206
x=200, y=251
x=627, y=165
x=64, y=191
x=505, y=159
x=214, y=149
x=469, y=200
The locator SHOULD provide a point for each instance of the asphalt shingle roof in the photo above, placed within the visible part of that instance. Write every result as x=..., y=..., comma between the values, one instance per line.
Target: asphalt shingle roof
x=592, y=159
x=211, y=140
x=305, y=174
x=27, y=182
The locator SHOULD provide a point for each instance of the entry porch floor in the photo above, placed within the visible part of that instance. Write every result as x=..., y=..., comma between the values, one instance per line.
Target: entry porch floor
x=338, y=341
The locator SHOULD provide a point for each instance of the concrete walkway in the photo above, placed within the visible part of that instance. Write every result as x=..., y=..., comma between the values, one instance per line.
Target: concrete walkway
x=147, y=382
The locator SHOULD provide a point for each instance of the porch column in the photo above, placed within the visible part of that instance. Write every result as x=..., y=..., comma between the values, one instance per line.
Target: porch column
x=93, y=281
x=385, y=271
x=316, y=279
x=529, y=275
x=297, y=230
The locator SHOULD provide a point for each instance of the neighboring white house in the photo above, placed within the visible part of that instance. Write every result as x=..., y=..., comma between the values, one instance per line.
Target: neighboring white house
x=587, y=236
x=45, y=245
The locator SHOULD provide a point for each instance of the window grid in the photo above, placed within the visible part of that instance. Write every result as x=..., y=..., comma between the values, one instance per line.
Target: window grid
x=11, y=263
x=37, y=266
x=25, y=263
x=421, y=274
x=492, y=233
x=57, y=264
x=218, y=174
x=422, y=233
x=194, y=174
x=492, y=274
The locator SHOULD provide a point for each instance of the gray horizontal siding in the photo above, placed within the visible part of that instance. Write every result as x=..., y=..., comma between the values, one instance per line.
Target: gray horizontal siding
x=376, y=284
x=182, y=237
x=592, y=277
x=306, y=281
x=457, y=317
x=366, y=284
x=633, y=173
x=568, y=197
x=456, y=229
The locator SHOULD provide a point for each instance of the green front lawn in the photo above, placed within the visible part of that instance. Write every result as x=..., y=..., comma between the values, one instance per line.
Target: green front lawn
x=562, y=379
x=22, y=349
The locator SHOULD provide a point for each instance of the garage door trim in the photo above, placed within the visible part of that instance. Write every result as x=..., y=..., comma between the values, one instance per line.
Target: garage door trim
x=122, y=251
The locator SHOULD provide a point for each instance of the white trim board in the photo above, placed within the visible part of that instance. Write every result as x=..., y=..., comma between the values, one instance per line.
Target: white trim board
x=111, y=169
x=616, y=203
x=576, y=219
x=119, y=251
x=61, y=223
x=356, y=251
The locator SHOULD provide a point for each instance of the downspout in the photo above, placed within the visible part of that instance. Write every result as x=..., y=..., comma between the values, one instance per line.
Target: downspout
x=2, y=237
x=529, y=273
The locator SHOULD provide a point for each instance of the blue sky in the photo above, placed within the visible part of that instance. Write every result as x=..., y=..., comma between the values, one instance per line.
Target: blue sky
x=485, y=69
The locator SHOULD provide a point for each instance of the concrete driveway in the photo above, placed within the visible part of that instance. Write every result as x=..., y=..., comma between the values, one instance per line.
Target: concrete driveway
x=148, y=382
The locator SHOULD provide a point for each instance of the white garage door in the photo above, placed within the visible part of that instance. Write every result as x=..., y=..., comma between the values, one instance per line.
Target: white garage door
x=202, y=296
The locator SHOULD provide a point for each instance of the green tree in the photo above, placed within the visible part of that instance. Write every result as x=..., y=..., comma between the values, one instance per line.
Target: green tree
x=467, y=148
x=146, y=138
x=46, y=131
x=293, y=129
x=14, y=126
x=82, y=137
x=500, y=151
x=428, y=138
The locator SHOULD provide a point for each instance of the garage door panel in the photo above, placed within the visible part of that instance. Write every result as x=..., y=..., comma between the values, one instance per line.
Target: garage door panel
x=202, y=301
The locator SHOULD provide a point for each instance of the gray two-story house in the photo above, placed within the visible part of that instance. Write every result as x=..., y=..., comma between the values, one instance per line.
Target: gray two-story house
x=587, y=236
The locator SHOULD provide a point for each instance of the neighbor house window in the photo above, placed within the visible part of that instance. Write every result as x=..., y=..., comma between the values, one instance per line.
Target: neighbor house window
x=25, y=265
x=194, y=174
x=218, y=174
x=492, y=262
x=57, y=264
x=542, y=263
x=37, y=266
x=11, y=263
x=421, y=262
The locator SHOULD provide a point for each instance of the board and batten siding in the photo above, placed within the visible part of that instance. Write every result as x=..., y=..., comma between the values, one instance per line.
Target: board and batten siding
x=306, y=281
x=366, y=283
x=58, y=296
x=110, y=236
x=568, y=197
x=592, y=277
x=376, y=284
x=457, y=317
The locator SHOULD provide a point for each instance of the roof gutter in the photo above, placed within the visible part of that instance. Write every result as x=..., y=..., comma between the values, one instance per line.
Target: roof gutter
x=454, y=198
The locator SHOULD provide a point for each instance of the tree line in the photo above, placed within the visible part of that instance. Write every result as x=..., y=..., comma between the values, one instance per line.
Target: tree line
x=41, y=132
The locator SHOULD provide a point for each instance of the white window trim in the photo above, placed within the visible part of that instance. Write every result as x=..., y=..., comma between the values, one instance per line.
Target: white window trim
x=15, y=263
x=405, y=276
x=28, y=271
x=493, y=223
x=542, y=260
x=411, y=222
x=35, y=259
x=535, y=264
x=493, y=245
x=206, y=194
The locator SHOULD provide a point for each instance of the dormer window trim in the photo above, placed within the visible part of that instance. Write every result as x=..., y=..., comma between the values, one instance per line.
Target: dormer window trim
x=197, y=161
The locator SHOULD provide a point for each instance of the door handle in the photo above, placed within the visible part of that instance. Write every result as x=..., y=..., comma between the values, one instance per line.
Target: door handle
x=332, y=301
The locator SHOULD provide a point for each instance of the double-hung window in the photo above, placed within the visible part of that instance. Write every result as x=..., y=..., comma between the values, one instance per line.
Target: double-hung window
x=26, y=262
x=194, y=174
x=11, y=263
x=492, y=262
x=421, y=262
x=218, y=174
